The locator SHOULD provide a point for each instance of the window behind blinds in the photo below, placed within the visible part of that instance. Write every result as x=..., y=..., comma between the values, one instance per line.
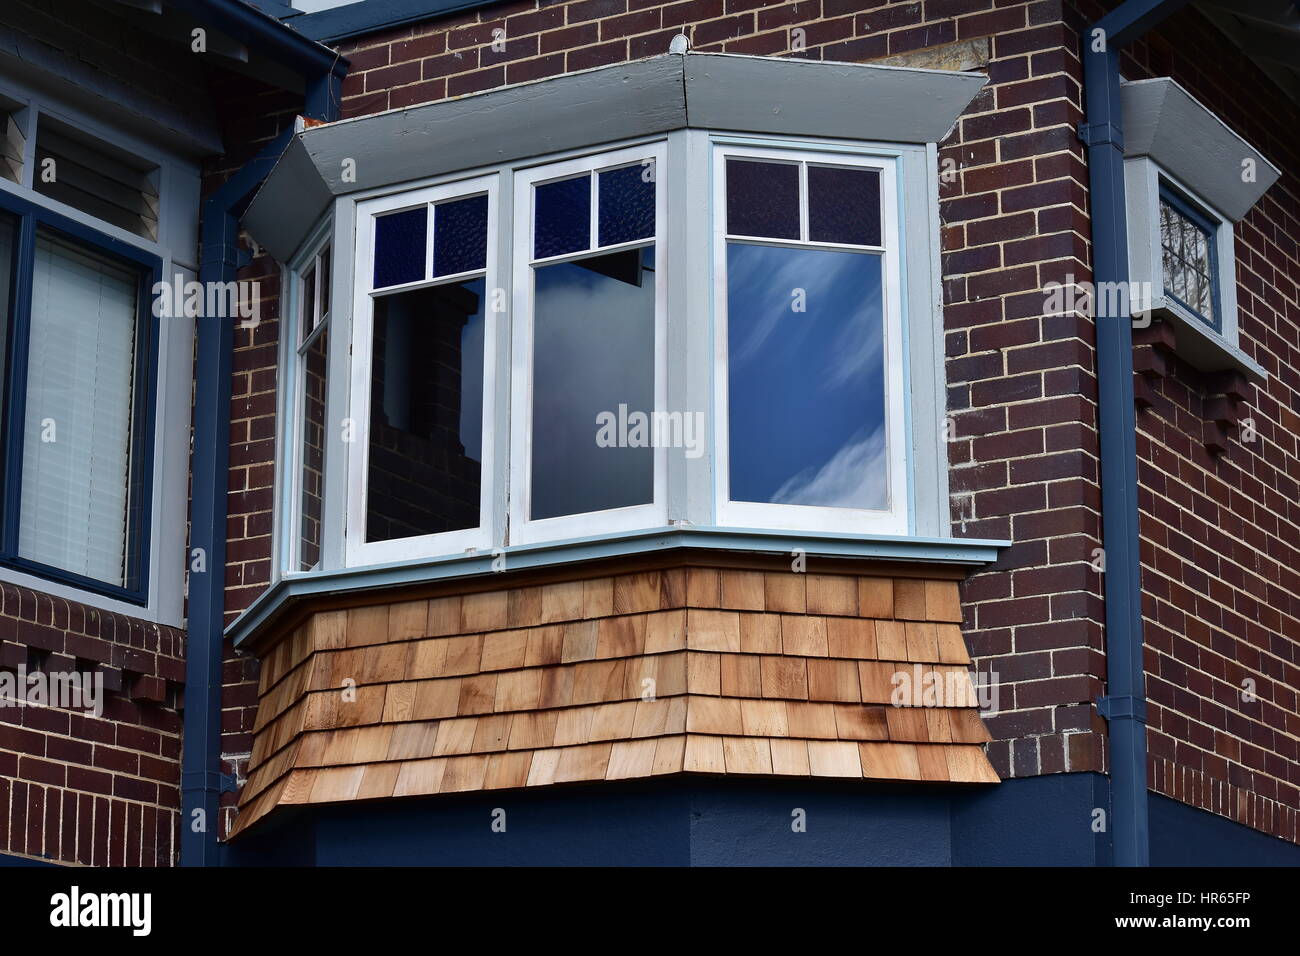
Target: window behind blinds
x=78, y=428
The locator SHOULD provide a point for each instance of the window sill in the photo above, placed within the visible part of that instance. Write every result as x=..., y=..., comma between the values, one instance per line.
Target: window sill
x=292, y=589
x=1202, y=347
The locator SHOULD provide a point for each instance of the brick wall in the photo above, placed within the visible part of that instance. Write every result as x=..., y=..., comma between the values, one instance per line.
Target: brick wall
x=1022, y=391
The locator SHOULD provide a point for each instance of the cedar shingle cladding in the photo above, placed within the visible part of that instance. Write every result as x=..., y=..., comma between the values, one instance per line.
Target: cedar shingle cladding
x=682, y=669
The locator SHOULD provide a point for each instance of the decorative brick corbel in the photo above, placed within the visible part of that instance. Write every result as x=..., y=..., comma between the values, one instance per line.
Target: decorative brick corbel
x=1152, y=347
x=1225, y=398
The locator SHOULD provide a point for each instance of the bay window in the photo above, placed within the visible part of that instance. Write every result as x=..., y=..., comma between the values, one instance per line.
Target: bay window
x=555, y=340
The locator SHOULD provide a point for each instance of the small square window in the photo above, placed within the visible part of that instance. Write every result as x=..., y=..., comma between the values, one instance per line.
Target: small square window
x=1188, y=259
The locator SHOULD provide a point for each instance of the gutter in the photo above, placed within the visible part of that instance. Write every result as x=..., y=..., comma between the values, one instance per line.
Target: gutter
x=202, y=781
x=1125, y=705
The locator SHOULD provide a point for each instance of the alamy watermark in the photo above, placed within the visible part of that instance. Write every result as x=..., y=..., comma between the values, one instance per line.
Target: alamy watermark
x=68, y=690
x=236, y=299
x=1112, y=299
x=624, y=429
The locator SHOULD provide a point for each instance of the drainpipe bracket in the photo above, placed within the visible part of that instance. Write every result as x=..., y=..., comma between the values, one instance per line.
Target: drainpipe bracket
x=1101, y=134
x=209, y=780
x=1123, y=708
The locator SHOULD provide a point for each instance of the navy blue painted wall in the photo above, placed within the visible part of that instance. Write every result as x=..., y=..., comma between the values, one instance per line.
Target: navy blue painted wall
x=1038, y=821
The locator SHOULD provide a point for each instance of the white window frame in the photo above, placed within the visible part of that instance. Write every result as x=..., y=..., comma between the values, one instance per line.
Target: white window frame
x=633, y=517
x=295, y=349
x=357, y=550
x=1142, y=182
x=894, y=519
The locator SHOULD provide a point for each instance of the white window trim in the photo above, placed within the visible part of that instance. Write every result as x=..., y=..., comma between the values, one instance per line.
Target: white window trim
x=358, y=551
x=1142, y=179
x=634, y=517
x=177, y=247
x=893, y=520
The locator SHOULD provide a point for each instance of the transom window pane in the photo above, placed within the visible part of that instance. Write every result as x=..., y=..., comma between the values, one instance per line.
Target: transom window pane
x=844, y=205
x=426, y=411
x=1186, y=249
x=400, y=247
x=762, y=199
x=806, y=377
x=79, y=426
x=460, y=236
x=563, y=217
x=627, y=204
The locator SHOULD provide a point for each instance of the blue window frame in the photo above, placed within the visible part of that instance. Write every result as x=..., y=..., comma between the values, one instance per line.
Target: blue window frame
x=1189, y=257
x=35, y=231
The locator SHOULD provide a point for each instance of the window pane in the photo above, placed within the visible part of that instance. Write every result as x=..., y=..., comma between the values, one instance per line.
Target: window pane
x=460, y=236
x=627, y=204
x=325, y=282
x=1185, y=257
x=806, y=377
x=400, y=247
x=844, y=205
x=563, y=217
x=593, y=353
x=312, y=369
x=7, y=231
x=762, y=199
x=77, y=431
x=308, y=304
x=426, y=412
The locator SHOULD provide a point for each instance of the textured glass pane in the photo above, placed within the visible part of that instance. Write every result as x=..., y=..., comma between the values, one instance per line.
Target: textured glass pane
x=312, y=368
x=627, y=204
x=806, y=377
x=79, y=423
x=563, y=217
x=1185, y=255
x=762, y=199
x=426, y=412
x=460, y=236
x=7, y=232
x=400, y=247
x=593, y=353
x=844, y=205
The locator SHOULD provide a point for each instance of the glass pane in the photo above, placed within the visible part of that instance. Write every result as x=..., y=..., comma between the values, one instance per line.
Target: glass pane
x=308, y=304
x=1185, y=255
x=844, y=205
x=400, y=247
x=426, y=412
x=627, y=204
x=563, y=217
x=806, y=377
x=312, y=369
x=593, y=357
x=325, y=282
x=460, y=236
x=762, y=199
x=77, y=433
x=7, y=232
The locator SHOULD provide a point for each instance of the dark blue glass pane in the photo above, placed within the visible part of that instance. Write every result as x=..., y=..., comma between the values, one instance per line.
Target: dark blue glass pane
x=400, y=247
x=806, y=377
x=563, y=217
x=460, y=236
x=627, y=204
x=593, y=359
x=762, y=199
x=844, y=205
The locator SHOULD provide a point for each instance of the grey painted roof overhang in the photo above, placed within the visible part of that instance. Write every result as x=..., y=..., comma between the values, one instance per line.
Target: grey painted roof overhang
x=715, y=91
x=1165, y=122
